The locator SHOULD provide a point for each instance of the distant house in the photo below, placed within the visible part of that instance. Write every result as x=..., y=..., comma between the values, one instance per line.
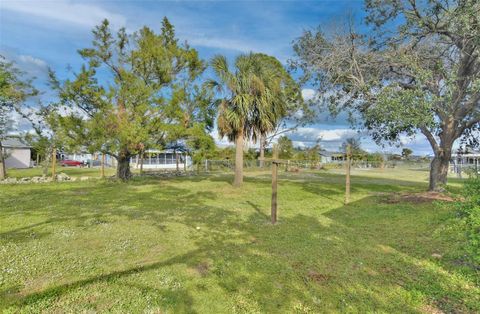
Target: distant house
x=17, y=153
x=331, y=157
x=467, y=158
x=162, y=159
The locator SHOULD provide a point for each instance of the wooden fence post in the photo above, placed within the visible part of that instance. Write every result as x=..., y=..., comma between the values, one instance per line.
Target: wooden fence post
x=274, y=185
x=54, y=162
x=347, y=179
x=142, y=158
x=103, y=166
x=185, y=162
x=176, y=160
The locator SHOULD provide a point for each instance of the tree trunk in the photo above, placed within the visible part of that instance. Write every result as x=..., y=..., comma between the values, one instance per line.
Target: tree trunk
x=142, y=156
x=46, y=163
x=238, y=160
x=439, y=172
x=3, y=169
x=262, y=151
x=123, y=166
x=54, y=163
x=441, y=160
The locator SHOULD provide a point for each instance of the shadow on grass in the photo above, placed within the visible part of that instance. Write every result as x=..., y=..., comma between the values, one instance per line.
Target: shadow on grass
x=373, y=258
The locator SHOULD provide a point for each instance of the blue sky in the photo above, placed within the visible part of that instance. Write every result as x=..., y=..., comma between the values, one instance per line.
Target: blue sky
x=38, y=34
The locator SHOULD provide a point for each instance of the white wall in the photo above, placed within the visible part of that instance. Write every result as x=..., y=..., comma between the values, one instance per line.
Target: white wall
x=17, y=158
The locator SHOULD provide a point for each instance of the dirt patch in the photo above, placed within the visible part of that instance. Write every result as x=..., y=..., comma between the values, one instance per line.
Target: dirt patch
x=202, y=269
x=318, y=277
x=430, y=309
x=422, y=197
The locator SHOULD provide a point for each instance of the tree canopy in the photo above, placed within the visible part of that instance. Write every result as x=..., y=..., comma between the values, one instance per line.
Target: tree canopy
x=418, y=71
x=134, y=91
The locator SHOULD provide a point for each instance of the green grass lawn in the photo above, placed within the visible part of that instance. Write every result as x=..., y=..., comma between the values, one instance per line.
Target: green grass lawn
x=197, y=245
x=71, y=171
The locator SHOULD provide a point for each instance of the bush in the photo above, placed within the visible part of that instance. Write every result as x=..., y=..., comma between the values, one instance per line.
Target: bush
x=469, y=212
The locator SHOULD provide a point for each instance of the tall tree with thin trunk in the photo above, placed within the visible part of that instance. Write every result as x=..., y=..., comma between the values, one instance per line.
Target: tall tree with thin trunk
x=128, y=91
x=251, y=103
x=417, y=71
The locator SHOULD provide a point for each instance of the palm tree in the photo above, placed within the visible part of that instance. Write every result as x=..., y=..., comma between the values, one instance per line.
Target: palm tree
x=249, y=104
x=285, y=96
x=255, y=95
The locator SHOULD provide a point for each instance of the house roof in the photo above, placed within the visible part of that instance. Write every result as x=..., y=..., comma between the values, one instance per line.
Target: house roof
x=14, y=142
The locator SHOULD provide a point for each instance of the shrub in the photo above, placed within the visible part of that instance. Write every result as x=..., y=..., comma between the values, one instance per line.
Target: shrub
x=469, y=212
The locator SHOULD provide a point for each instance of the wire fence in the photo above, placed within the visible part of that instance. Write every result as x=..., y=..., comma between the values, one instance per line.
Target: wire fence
x=292, y=165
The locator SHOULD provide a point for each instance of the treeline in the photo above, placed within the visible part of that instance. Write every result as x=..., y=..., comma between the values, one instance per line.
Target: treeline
x=411, y=69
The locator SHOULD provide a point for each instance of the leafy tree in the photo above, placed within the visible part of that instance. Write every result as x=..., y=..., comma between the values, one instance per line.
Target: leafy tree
x=311, y=154
x=285, y=147
x=14, y=91
x=356, y=150
x=406, y=152
x=418, y=70
x=132, y=92
x=251, y=102
x=45, y=138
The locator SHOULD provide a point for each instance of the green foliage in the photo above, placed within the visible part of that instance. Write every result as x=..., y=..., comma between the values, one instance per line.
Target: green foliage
x=357, y=153
x=15, y=89
x=134, y=92
x=406, y=152
x=469, y=212
x=311, y=154
x=256, y=95
x=285, y=148
x=414, y=68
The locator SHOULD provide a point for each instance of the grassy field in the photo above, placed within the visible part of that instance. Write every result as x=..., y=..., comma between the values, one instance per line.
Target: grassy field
x=197, y=245
x=71, y=171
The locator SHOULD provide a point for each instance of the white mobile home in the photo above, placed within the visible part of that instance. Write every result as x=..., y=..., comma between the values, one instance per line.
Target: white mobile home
x=17, y=153
x=162, y=159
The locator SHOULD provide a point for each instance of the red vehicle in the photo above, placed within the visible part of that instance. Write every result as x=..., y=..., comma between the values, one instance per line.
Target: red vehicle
x=71, y=163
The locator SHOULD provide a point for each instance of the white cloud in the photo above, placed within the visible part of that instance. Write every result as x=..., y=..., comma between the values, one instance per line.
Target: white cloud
x=299, y=144
x=314, y=134
x=33, y=67
x=81, y=14
x=32, y=61
x=221, y=43
x=308, y=93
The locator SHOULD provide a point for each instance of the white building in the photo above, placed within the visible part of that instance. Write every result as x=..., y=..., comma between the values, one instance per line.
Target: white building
x=162, y=159
x=17, y=153
x=465, y=160
x=331, y=157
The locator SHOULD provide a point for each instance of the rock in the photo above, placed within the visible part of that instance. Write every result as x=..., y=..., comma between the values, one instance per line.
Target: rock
x=25, y=180
x=10, y=180
x=84, y=178
x=37, y=179
x=63, y=177
x=437, y=256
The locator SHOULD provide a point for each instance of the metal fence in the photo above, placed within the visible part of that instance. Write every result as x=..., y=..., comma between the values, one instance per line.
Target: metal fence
x=293, y=165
